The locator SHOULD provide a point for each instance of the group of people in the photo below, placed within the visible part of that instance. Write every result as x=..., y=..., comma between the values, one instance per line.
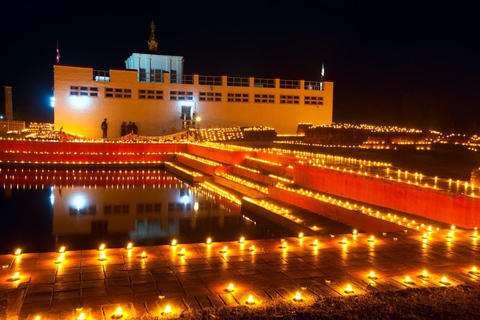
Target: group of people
x=126, y=129
x=187, y=120
x=129, y=128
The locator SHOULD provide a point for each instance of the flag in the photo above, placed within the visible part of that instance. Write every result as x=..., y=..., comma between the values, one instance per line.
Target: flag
x=323, y=70
x=57, y=58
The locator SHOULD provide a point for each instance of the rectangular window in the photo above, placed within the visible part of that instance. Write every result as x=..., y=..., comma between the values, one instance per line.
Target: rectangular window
x=287, y=99
x=84, y=91
x=210, y=96
x=238, y=82
x=264, y=98
x=181, y=95
x=173, y=76
x=142, y=75
x=264, y=83
x=150, y=94
x=210, y=80
x=118, y=93
x=237, y=97
x=314, y=100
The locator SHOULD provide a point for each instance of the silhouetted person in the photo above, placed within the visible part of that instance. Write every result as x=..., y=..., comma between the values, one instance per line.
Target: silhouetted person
x=104, y=127
x=134, y=128
x=123, y=129
x=129, y=127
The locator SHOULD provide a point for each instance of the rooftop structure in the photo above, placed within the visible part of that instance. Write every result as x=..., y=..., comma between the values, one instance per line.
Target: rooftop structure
x=154, y=92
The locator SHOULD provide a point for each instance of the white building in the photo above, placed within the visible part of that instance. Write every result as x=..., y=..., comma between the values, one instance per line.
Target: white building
x=153, y=92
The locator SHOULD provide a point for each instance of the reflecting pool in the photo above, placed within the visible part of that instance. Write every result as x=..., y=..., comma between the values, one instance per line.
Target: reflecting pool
x=42, y=210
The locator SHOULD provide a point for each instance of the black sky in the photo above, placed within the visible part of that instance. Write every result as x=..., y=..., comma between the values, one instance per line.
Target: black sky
x=393, y=63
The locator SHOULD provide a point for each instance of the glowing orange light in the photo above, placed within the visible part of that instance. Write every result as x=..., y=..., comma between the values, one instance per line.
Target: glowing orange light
x=118, y=314
x=250, y=300
x=349, y=289
x=229, y=288
x=298, y=297
x=167, y=309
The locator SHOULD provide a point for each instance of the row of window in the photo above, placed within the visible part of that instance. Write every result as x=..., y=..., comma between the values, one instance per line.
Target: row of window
x=141, y=208
x=188, y=95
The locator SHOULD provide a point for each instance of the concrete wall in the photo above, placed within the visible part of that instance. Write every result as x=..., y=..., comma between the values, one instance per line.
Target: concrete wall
x=460, y=210
x=349, y=217
x=84, y=115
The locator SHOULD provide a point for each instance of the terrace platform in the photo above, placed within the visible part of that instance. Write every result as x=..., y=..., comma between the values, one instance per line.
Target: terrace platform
x=102, y=281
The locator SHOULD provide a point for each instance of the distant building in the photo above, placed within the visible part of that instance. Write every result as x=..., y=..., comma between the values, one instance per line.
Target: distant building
x=153, y=92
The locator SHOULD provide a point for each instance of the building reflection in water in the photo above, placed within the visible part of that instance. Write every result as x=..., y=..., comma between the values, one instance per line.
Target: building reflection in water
x=142, y=212
x=149, y=206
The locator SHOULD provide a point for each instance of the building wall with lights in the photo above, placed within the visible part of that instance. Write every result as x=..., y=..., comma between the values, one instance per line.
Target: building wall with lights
x=82, y=101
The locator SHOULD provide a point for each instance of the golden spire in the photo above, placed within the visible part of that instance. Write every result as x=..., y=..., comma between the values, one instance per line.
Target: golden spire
x=152, y=41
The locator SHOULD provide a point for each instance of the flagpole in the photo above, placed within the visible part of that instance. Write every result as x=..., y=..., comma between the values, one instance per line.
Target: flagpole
x=323, y=73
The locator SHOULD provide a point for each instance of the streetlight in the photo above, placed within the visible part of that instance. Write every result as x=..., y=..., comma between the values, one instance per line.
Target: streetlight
x=198, y=121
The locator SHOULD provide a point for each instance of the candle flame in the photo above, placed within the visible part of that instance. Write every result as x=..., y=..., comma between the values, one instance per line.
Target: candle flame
x=298, y=297
x=118, y=312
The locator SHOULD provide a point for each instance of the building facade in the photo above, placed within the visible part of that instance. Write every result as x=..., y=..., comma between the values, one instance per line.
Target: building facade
x=153, y=92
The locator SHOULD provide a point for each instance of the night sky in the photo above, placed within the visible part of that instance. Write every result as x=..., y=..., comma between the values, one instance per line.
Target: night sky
x=393, y=63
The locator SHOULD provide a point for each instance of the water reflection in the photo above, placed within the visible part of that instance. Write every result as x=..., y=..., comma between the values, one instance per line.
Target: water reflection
x=146, y=206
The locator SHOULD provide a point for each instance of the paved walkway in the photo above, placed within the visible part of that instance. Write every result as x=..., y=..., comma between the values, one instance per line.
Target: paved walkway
x=199, y=278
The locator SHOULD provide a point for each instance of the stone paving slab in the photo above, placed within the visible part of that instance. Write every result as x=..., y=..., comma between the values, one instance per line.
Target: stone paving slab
x=199, y=279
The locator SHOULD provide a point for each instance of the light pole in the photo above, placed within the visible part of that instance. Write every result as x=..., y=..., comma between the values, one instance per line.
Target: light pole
x=198, y=122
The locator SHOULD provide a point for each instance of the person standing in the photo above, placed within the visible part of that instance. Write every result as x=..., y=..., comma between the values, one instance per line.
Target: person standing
x=104, y=127
x=123, y=129
x=129, y=127
x=134, y=128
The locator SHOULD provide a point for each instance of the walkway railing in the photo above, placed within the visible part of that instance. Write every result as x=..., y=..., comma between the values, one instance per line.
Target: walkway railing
x=184, y=125
x=195, y=79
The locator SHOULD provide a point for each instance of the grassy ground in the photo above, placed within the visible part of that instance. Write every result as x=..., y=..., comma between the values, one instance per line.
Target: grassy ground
x=461, y=302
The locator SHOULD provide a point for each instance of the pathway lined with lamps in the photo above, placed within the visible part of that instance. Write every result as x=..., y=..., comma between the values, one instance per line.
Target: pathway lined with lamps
x=163, y=280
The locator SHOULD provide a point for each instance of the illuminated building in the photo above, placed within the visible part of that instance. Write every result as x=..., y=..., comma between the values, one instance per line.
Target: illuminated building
x=154, y=93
